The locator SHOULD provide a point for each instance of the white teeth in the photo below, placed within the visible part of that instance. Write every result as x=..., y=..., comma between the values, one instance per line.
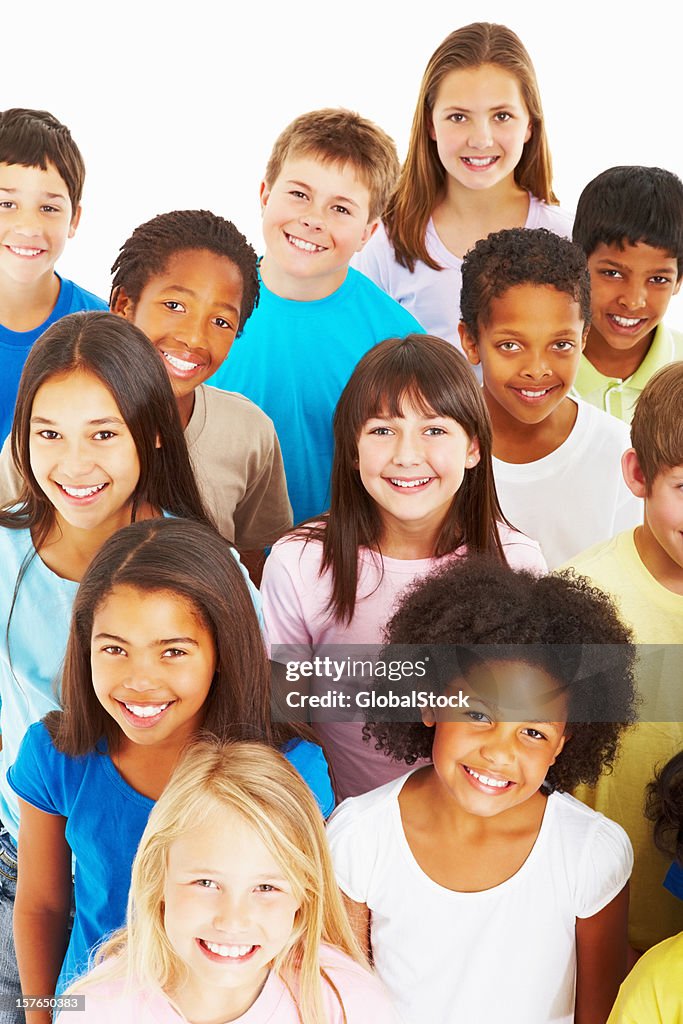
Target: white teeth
x=626, y=321
x=146, y=710
x=534, y=394
x=306, y=246
x=496, y=783
x=480, y=161
x=411, y=483
x=179, y=364
x=25, y=252
x=82, y=492
x=227, y=951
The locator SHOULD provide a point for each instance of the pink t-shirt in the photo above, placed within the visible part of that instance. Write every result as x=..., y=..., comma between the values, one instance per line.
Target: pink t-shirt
x=433, y=296
x=362, y=994
x=295, y=599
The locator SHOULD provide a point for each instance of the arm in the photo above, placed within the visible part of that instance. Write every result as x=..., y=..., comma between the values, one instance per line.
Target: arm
x=41, y=913
x=601, y=942
x=359, y=919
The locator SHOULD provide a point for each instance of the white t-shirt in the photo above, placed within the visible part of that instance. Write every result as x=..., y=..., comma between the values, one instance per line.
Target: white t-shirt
x=433, y=296
x=507, y=954
x=576, y=496
x=295, y=598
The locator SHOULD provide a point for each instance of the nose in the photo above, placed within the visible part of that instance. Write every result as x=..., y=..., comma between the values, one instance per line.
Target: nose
x=77, y=462
x=497, y=747
x=313, y=217
x=189, y=330
x=480, y=134
x=141, y=676
x=536, y=366
x=27, y=222
x=407, y=450
x=231, y=914
x=633, y=295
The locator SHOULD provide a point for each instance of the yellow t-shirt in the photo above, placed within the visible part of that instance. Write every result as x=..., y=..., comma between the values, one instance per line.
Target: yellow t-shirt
x=655, y=615
x=653, y=991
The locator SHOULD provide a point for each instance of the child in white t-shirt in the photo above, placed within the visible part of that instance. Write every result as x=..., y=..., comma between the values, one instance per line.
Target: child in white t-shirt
x=234, y=914
x=412, y=488
x=483, y=890
x=526, y=311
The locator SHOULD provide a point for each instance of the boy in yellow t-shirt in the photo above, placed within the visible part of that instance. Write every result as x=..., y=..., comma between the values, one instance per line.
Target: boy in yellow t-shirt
x=642, y=569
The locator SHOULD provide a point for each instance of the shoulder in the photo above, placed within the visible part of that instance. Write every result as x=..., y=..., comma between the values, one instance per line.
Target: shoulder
x=362, y=994
x=366, y=295
x=83, y=300
x=521, y=552
x=42, y=775
x=601, y=425
x=548, y=215
x=651, y=993
x=310, y=762
x=231, y=403
x=296, y=555
x=602, y=558
x=354, y=813
x=112, y=1000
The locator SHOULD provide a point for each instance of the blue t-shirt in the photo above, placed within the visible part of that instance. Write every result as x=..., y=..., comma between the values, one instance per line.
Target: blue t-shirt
x=105, y=820
x=674, y=880
x=15, y=345
x=293, y=360
x=30, y=667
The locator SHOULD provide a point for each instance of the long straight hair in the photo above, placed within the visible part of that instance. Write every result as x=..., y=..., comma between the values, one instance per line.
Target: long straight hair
x=422, y=180
x=434, y=376
x=192, y=562
x=122, y=358
x=259, y=785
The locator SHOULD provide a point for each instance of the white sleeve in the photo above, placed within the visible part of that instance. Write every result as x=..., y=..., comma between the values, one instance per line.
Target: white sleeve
x=604, y=868
x=352, y=854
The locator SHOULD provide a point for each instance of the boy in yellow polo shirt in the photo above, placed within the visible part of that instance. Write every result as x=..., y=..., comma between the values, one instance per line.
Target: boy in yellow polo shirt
x=642, y=570
x=629, y=222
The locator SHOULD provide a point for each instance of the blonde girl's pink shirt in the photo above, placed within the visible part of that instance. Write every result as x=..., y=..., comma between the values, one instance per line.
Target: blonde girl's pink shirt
x=295, y=599
x=363, y=996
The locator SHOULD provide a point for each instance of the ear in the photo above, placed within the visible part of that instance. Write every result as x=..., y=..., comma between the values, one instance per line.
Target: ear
x=369, y=231
x=75, y=221
x=469, y=345
x=473, y=454
x=677, y=286
x=529, y=132
x=122, y=305
x=584, y=336
x=560, y=747
x=157, y=444
x=428, y=717
x=264, y=194
x=430, y=128
x=633, y=474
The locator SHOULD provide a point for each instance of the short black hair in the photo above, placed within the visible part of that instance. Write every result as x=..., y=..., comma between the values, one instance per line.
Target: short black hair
x=631, y=204
x=31, y=138
x=557, y=622
x=664, y=807
x=148, y=250
x=518, y=256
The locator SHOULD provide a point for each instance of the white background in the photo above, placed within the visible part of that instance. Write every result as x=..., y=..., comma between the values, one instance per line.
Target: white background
x=176, y=105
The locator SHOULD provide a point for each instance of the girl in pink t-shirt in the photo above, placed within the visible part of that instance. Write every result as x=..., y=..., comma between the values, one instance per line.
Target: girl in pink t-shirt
x=234, y=912
x=478, y=161
x=412, y=486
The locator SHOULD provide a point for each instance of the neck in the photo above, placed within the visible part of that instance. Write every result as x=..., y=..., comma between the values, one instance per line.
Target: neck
x=299, y=289
x=185, y=405
x=201, y=1004
x=518, y=443
x=667, y=572
x=68, y=550
x=410, y=541
x=614, y=362
x=23, y=307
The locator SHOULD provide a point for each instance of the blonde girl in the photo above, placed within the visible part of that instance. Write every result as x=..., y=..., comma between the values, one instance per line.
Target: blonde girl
x=478, y=161
x=234, y=913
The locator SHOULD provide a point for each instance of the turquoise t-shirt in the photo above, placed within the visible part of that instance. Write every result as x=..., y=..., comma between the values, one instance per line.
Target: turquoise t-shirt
x=293, y=360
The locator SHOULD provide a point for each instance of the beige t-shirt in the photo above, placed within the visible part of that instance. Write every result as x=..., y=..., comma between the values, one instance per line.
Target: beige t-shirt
x=655, y=615
x=237, y=461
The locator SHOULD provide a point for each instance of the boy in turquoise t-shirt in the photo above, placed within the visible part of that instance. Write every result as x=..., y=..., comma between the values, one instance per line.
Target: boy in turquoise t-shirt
x=326, y=184
x=629, y=222
x=41, y=181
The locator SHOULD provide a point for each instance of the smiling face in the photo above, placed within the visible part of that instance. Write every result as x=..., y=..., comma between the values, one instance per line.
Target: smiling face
x=228, y=911
x=480, y=125
x=191, y=313
x=82, y=453
x=660, y=539
x=36, y=218
x=412, y=466
x=630, y=291
x=315, y=217
x=153, y=661
x=486, y=759
x=529, y=351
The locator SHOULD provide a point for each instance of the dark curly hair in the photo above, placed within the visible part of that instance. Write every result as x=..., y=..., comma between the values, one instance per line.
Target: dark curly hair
x=559, y=623
x=149, y=249
x=664, y=807
x=519, y=256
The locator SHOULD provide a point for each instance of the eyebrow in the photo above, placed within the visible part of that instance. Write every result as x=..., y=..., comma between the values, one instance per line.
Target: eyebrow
x=624, y=266
x=188, y=291
x=91, y=423
x=511, y=334
x=46, y=195
x=155, y=643
x=335, y=199
x=465, y=110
